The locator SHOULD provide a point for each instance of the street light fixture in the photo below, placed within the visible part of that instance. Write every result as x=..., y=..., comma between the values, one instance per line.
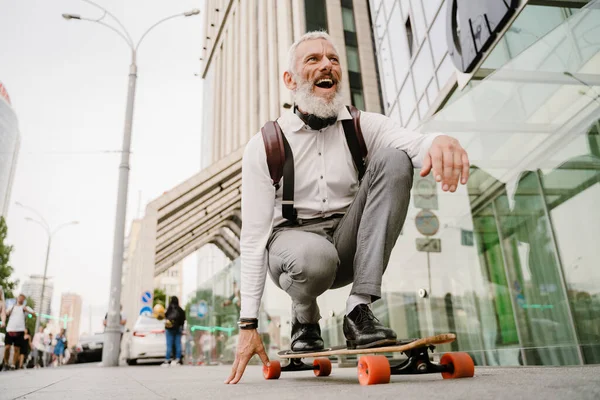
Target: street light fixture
x=112, y=336
x=50, y=232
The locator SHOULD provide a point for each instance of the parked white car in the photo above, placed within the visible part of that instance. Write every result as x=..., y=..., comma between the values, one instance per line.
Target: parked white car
x=147, y=341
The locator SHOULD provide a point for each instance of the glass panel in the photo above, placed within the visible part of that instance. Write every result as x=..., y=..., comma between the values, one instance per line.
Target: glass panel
x=445, y=71
x=358, y=100
x=407, y=99
x=348, y=20
x=353, y=60
x=388, y=83
x=418, y=21
x=316, y=15
x=543, y=310
x=422, y=69
x=431, y=8
x=438, y=35
x=572, y=191
x=533, y=23
x=399, y=46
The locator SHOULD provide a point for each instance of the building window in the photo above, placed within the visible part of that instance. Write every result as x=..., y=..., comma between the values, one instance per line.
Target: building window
x=358, y=99
x=316, y=15
x=348, y=20
x=410, y=36
x=353, y=60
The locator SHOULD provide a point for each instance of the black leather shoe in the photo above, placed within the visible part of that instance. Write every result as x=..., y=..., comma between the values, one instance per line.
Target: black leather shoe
x=363, y=330
x=306, y=337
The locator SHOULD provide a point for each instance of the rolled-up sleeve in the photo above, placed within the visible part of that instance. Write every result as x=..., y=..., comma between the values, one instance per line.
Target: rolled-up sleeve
x=258, y=204
x=380, y=131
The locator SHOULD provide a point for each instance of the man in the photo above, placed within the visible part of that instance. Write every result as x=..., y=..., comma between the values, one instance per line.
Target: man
x=15, y=331
x=322, y=250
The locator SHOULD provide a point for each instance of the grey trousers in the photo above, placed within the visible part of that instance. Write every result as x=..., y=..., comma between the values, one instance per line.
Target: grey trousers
x=306, y=260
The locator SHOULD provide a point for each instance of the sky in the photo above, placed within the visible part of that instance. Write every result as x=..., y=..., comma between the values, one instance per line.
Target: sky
x=67, y=81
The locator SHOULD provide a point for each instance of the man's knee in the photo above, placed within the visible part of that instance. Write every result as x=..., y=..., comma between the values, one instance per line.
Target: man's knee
x=305, y=272
x=394, y=165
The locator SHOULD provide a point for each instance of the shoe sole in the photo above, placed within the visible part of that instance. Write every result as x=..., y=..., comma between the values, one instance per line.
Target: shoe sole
x=351, y=344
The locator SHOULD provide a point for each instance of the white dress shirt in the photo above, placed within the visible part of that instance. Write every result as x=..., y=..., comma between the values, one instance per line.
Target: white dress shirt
x=326, y=182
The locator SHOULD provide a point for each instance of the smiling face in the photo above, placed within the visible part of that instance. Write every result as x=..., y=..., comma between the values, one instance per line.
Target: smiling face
x=316, y=78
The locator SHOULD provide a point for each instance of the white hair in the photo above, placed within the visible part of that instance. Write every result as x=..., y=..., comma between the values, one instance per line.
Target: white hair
x=307, y=36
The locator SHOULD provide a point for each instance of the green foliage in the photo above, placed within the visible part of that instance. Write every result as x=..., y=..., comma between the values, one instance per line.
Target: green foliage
x=159, y=298
x=6, y=269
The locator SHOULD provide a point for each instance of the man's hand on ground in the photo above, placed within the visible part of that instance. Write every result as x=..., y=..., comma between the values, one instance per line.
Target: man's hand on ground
x=249, y=344
x=448, y=161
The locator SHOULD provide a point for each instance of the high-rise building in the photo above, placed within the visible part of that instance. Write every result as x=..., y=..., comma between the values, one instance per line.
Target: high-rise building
x=32, y=288
x=70, y=308
x=10, y=140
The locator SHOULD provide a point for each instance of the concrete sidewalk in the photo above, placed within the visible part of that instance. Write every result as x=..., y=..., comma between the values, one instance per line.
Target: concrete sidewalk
x=153, y=382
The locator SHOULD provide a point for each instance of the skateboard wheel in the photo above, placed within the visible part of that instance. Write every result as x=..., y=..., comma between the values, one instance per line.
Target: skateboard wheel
x=322, y=367
x=462, y=363
x=273, y=371
x=373, y=370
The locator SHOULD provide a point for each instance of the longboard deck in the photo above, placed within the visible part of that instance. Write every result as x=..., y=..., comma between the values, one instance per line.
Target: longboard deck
x=342, y=350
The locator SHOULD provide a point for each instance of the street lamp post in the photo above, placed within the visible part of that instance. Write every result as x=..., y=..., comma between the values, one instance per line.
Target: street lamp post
x=42, y=222
x=112, y=337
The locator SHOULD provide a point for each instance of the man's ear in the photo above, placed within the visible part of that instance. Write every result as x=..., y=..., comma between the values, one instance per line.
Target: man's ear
x=289, y=81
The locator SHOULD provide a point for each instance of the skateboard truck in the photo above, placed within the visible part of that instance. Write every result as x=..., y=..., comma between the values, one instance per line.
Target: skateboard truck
x=296, y=364
x=418, y=363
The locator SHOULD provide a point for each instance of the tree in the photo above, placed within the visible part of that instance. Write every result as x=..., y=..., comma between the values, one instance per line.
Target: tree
x=6, y=269
x=159, y=297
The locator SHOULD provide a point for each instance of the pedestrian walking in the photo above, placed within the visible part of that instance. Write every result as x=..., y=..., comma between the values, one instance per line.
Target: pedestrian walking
x=61, y=345
x=15, y=332
x=175, y=319
x=49, y=355
x=38, y=347
x=25, y=349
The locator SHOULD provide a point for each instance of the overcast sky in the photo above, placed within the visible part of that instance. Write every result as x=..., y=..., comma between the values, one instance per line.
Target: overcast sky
x=68, y=84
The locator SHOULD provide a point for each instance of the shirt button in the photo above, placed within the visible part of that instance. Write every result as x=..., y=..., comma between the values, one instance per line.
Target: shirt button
x=321, y=176
x=324, y=200
x=319, y=153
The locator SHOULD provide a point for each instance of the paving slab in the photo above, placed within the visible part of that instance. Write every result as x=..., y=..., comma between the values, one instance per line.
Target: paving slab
x=93, y=382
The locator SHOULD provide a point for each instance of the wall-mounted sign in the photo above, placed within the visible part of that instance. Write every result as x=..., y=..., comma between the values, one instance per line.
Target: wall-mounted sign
x=472, y=27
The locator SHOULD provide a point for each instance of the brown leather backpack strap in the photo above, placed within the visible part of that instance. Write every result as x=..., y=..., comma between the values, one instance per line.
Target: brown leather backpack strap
x=361, y=140
x=273, y=140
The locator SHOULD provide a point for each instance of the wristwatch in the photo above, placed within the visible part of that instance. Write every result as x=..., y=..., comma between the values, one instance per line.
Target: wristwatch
x=248, y=323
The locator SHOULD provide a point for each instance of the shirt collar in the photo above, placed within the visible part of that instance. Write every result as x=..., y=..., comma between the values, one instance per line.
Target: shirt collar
x=290, y=122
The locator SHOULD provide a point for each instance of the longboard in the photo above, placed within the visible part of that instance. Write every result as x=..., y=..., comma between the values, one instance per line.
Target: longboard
x=399, y=347
x=374, y=369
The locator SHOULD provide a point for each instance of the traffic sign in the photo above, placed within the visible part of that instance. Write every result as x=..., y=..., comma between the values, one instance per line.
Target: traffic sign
x=202, y=309
x=146, y=310
x=146, y=297
x=429, y=245
x=427, y=223
x=425, y=192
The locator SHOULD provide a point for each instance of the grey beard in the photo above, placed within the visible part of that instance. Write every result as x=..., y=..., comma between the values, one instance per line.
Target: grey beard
x=311, y=104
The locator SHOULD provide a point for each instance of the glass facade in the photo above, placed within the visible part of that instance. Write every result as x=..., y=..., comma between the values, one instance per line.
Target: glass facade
x=516, y=276
x=9, y=145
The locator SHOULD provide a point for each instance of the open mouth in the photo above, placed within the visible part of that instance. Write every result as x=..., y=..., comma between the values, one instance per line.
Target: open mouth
x=325, y=83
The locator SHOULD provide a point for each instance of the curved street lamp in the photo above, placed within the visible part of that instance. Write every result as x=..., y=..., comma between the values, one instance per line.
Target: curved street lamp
x=112, y=337
x=50, y=232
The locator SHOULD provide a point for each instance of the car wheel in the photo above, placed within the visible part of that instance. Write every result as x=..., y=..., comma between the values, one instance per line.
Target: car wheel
x=131, y=362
